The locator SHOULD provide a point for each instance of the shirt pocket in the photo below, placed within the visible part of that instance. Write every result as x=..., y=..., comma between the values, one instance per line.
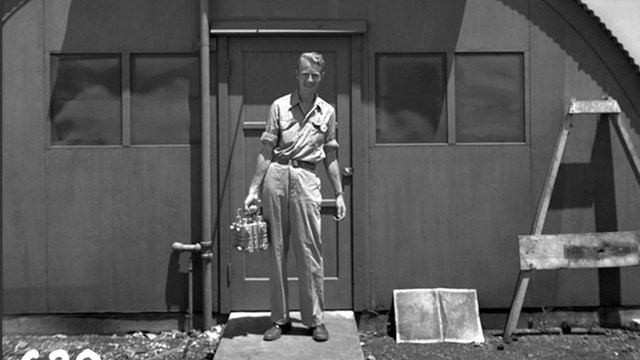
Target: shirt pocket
x=320, y=125
x=289, y=130
x=318, y=131
x=286, y=124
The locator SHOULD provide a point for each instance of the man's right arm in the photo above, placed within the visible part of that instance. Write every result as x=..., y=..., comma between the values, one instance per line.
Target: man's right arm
x=264, y=160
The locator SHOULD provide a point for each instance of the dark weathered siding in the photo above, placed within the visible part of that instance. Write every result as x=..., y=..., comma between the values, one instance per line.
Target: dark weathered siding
x=452, y=211
x=90, y=229
x=462, y=233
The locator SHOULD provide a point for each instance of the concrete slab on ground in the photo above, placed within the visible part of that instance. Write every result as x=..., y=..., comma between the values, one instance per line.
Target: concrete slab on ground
x=242, y=339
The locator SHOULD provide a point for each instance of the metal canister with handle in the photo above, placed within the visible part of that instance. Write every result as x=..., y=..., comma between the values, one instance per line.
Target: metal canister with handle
x=250, y=231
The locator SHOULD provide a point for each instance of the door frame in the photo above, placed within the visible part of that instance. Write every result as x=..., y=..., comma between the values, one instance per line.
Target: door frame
x=354, y=30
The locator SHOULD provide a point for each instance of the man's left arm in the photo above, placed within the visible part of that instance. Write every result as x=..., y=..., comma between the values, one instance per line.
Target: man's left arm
x=333, y=169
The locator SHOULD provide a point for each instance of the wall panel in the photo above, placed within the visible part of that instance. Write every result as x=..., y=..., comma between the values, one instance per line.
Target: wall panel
x=112, y=215
x=121, y=25
x=24, y=258
x=415, y=25
x=287, y=10
x=453, y=212
x=450, y=218
x=113, y=212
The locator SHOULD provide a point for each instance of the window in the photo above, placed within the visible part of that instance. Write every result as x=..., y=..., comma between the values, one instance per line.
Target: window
x=410, y=99
x=165, y=99
x=159, y=104
x=85, y=100
x=487, y=104
x=489, y=98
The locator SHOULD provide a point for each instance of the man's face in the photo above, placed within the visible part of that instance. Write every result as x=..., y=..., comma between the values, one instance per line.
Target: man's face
x=309, y=76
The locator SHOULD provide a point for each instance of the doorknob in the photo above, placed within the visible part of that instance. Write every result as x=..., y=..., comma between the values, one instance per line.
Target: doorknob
x=347, y=171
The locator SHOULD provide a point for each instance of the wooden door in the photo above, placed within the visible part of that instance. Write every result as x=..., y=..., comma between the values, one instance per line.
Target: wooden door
x=259, y=71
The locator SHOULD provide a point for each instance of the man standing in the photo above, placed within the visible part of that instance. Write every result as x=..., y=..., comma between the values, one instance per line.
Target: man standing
x=300, y=132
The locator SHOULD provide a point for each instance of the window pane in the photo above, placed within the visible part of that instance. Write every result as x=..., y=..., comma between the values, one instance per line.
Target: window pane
x=165, y=105
x=489, y=98
x=411, y=98
x=85, y=100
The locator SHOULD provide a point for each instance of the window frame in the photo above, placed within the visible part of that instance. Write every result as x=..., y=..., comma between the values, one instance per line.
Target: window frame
x=148, y=55
x=49, y=93
x=460, y=54
x=445, y=68
x=450, y=60
x=125, y=58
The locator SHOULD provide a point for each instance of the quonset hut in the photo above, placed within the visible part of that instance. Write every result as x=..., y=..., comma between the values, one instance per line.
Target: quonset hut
x=128, y=126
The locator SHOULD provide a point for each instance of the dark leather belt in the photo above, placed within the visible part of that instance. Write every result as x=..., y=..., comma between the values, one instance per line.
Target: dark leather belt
x=297, y=163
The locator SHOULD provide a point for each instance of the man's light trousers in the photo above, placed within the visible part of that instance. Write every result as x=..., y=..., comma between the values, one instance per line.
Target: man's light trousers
x=291, y=201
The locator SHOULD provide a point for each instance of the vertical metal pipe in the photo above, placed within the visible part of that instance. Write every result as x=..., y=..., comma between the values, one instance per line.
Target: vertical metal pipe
x=1, y=154
x=205, y=111
x=192, y=249
x=190, y=297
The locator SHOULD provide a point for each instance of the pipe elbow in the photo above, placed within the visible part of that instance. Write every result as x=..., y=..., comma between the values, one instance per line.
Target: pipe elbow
x=177, y=246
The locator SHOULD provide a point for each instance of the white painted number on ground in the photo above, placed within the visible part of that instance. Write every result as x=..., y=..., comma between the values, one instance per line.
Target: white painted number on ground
x=60, y=354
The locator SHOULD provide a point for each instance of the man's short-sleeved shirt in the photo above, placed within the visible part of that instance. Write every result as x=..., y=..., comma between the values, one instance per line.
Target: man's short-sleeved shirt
x=299, y=137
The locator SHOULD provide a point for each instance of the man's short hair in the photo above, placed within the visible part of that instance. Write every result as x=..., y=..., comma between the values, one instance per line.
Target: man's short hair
x=312, y=57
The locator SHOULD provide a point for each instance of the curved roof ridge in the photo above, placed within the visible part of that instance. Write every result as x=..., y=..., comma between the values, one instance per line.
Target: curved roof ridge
x=609, y=13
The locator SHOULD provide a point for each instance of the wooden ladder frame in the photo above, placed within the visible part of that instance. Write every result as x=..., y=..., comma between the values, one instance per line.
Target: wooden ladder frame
x=594, y=250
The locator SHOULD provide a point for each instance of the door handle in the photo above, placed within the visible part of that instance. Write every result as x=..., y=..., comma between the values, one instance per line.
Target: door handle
x=347, y=171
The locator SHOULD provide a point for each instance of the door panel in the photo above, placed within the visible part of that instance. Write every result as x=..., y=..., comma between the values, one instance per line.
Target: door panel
x=261, y=70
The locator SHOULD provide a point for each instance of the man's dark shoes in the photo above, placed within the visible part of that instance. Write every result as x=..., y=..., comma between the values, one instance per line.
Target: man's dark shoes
x=276, y=331
x=320, y=333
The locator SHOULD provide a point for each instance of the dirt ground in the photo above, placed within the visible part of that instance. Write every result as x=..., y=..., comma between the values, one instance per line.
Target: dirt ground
x=377, y=344
x=172, y=345
x=547, y=342
x=613, y=344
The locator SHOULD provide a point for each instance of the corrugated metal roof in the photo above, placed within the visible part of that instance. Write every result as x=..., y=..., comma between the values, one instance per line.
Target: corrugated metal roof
x=619, y=19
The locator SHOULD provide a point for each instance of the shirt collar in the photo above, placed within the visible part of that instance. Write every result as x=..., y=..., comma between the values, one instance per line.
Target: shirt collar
x=295, y=100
